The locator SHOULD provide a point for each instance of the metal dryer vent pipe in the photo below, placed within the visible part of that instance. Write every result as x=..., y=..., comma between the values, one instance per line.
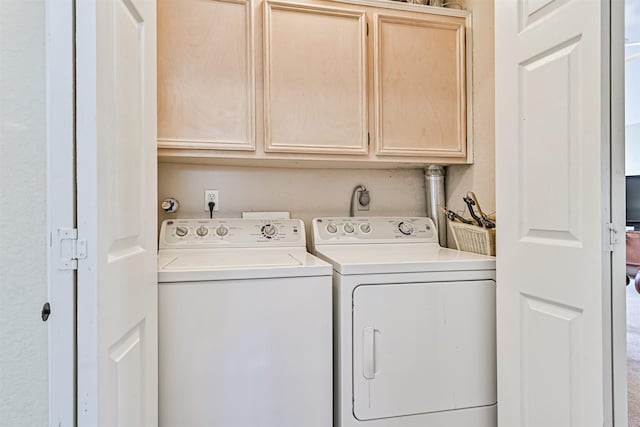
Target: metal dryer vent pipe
x=434, y=185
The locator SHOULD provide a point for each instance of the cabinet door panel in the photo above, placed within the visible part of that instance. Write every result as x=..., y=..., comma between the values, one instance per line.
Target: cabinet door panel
x=419, y=85
x=315, y=79
x=206, y=74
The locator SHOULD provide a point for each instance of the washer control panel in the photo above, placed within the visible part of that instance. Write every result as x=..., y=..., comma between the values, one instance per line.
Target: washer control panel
x=231, y=232
x=331, y=230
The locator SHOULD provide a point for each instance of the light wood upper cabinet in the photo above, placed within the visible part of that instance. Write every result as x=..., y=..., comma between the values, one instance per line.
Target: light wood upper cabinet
x=325, y=83
x=315, y=79
x=206, y=75
x=419, y=85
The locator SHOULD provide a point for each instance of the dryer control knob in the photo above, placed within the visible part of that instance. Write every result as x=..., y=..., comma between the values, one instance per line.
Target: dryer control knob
x=348, y=227
x=269, y=230
x=222, y=231
x=365, y=228
x=182, y=231
x=331, y=228
x=202, y=231
x=406, y=228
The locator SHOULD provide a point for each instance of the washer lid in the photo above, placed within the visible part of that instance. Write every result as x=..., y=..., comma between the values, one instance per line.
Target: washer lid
x=184, y=265
x=400, y=258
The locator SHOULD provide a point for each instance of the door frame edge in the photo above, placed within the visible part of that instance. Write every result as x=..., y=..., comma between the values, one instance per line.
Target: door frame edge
x=617, y=402
x=60, y=208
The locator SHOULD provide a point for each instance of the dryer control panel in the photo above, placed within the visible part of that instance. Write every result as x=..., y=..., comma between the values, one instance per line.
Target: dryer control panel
x=353, y=230
x=231, y=233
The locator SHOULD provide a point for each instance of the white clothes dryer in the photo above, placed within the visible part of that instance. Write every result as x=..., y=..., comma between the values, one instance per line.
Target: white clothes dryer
x=244, y=325
x=414, y=325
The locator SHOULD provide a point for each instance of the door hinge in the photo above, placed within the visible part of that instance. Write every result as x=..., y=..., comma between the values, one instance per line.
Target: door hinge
x=71, y=248
x=613, y=236
x=367, y=28
x=368, y=139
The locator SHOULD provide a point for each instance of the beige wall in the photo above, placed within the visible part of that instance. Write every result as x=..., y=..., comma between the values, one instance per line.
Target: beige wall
x=306, y=193
x=479, y=177
x=23, y=262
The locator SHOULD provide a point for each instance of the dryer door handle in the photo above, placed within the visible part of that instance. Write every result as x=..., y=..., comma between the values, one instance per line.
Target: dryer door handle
x=369, y=352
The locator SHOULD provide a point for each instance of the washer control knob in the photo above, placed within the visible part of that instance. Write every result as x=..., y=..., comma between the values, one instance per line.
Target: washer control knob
x=348, y=227
x=222, y=231
x=406, y=228
x=202, y=231
x=331, y=228
x=365, y=228
x=182, y=231
x=269, y=230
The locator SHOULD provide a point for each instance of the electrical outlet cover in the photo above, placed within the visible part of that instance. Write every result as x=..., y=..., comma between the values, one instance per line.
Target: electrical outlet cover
x=211, y=196
x=362, y=207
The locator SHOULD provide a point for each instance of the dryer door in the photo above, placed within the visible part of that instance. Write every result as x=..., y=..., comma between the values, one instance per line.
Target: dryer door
x=423, y=347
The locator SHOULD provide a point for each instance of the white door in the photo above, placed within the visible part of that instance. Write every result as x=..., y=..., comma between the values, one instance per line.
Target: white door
x=423, y=347
x=553, y=198
x=116, y=205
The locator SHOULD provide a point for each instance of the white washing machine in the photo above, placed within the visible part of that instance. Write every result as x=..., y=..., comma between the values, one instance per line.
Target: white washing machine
x=414, y=325
x=244, y=325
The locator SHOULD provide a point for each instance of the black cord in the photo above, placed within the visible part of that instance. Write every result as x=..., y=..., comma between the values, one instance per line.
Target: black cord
x=211, y=206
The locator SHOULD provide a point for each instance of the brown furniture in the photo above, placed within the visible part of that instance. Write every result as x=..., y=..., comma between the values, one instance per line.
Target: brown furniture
x=633, y=257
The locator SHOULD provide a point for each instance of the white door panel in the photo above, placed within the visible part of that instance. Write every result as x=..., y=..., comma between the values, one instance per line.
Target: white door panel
x=116, y=168
x=552, y=174
x=423, y=347
x=246, y=353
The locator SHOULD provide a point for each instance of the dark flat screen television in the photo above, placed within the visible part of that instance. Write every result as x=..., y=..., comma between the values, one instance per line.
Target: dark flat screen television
x=633, y=201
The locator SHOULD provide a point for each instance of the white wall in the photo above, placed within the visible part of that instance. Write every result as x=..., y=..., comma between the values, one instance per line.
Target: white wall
x=305, y=192
x=23, y=273
x=479, y=177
